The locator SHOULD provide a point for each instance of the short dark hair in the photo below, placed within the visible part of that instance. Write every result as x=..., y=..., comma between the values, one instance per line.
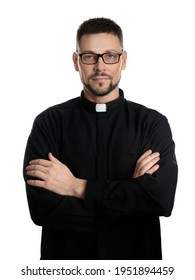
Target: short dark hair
x=99, y=25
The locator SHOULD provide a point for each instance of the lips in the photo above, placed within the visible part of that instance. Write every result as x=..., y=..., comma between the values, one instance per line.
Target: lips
x=100, y=78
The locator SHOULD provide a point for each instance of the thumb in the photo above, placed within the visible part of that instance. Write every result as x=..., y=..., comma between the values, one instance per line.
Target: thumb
x=52, y=158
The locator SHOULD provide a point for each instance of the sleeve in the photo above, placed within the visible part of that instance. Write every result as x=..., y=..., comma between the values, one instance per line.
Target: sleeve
x=48, y=208
x=147, y=194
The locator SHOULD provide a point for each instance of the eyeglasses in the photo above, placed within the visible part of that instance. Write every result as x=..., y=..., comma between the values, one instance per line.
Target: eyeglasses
x=92, y=58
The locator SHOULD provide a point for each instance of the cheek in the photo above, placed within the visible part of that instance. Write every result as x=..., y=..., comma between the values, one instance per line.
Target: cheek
x=117, y=74
x=83, y=75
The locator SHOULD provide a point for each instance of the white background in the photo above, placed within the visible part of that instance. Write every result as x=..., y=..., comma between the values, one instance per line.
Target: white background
x=37, y=39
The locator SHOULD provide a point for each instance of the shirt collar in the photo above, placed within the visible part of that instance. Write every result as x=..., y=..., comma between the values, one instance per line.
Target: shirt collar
x=98, y=108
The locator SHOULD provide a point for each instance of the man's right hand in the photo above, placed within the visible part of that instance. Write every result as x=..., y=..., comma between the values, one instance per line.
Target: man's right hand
x=147, y=163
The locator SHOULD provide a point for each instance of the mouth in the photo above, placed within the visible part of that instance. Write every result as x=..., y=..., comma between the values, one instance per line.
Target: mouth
x=100, y=78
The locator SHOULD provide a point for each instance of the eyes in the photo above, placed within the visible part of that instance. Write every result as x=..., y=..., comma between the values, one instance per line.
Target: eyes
x=92, y=58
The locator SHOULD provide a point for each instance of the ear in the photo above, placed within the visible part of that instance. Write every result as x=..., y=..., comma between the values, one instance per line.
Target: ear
x=75, y=61
x=124, y=60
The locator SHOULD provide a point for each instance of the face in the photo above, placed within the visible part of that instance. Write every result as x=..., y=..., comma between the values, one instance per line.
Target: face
x=100, y=79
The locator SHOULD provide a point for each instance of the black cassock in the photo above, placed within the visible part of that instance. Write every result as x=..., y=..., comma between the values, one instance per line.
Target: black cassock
x=119, y=218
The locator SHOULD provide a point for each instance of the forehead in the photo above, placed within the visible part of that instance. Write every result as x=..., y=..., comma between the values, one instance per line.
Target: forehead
x=99, y=43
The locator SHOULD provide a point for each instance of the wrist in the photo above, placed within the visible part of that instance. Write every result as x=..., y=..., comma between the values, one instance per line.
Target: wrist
x=79, y=188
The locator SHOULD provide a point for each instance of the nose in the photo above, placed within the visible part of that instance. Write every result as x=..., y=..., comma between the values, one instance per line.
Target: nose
x=100, y=65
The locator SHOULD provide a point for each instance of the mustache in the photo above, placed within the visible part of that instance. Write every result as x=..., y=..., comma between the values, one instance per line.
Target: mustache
x=102, y=74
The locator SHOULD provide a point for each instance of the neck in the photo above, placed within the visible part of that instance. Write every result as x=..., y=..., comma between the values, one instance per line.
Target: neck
x=102, y=99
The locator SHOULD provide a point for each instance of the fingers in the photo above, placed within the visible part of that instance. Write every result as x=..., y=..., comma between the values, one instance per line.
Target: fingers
x=42, y=162
x=147, y=163
x=52, y=158
x=147, y=153
x=153, y=169
x=147, y=157
x=36, y=183
x=38, y=168
x=37, y=171
x=43, y=170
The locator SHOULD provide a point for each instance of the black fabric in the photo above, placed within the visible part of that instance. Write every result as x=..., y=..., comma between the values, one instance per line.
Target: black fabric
x=119, y=218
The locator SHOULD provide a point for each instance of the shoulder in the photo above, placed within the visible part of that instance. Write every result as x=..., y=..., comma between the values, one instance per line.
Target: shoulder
x=140, y=111
x=62, y=107
x=53, y=117
x=147, y=118
x=59, y=110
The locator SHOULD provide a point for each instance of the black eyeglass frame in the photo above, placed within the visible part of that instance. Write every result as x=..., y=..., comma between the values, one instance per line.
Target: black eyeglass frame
x=98, y=56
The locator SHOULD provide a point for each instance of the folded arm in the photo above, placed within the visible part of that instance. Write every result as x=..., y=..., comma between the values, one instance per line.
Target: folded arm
x=56, y=177
x=57, y=198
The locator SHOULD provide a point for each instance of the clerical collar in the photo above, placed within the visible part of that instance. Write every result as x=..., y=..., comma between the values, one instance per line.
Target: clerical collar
x=100, y=108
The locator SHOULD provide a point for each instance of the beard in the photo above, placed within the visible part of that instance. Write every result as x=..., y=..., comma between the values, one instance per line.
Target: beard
x=101, y=90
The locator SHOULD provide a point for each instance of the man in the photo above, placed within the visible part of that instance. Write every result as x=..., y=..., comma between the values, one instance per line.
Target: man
x=99, y=169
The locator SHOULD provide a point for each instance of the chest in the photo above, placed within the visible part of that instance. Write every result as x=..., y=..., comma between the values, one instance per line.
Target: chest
x=103, y=145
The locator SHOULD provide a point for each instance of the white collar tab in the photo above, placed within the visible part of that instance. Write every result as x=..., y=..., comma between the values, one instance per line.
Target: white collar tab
x=100, y=108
